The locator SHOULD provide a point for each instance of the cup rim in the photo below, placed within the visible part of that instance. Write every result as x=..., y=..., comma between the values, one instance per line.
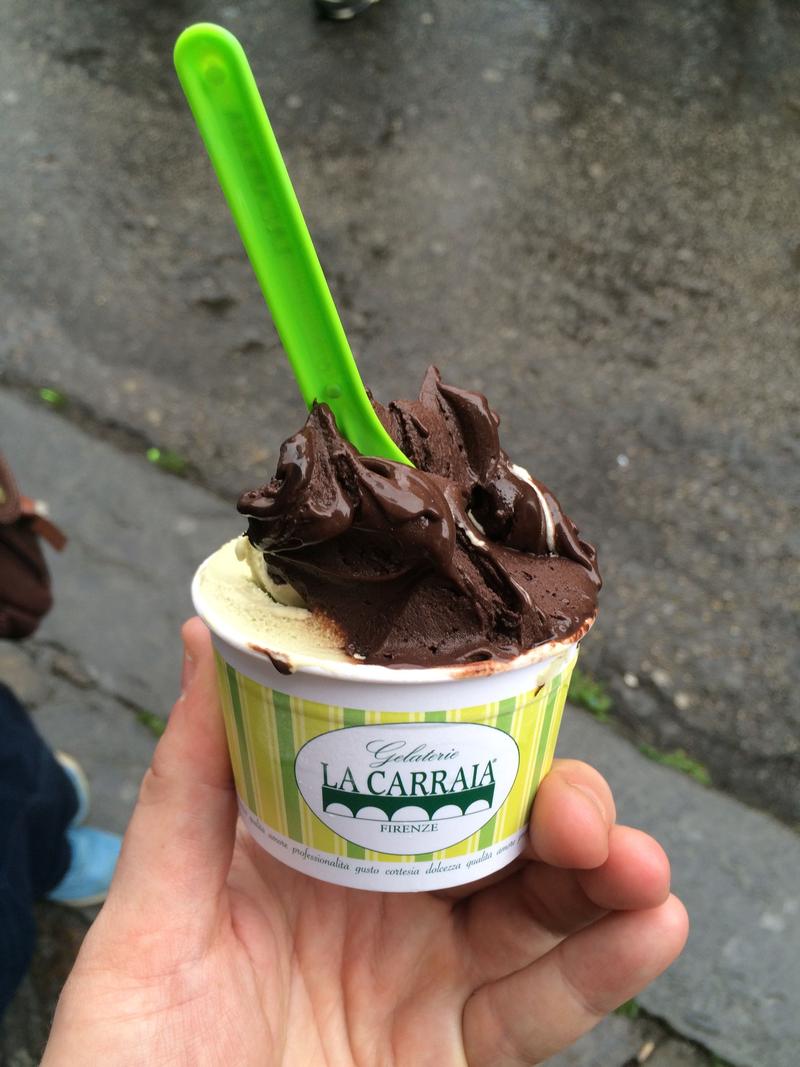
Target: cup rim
x=353, y=671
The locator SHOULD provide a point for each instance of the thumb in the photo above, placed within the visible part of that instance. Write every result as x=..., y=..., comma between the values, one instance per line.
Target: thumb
x=177, y=850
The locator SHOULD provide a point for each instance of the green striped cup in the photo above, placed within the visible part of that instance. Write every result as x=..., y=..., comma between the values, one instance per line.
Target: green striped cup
x=394, y=780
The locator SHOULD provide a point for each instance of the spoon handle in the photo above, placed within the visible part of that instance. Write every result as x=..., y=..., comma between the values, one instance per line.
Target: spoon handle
x=227, y=107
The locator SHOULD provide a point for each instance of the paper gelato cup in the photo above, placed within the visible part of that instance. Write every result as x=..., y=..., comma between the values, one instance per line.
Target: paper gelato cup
x=378, y=778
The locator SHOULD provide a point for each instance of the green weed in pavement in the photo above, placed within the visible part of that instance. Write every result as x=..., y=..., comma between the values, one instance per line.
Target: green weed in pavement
x=52, y=398
x=679, y=761
x=167, y=460
x=589, y=694
x=629, y=1010
x=153, y=723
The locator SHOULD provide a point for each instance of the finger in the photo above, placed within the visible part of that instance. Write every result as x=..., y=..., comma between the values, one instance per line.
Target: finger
x=588, y=778
x=572, y=814
x=177, y=850
x=635, y=875
x=509, y=926
x=569, y=825
x=573, y=987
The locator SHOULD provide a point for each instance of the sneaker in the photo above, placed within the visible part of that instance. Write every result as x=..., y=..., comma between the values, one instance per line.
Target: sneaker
x=80, y=783
x=342, y=9
x=94, y=857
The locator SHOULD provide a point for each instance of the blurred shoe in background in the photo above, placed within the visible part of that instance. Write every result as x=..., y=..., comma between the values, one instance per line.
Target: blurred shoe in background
x=93, y=857
x=342, y=9
x=80, y=783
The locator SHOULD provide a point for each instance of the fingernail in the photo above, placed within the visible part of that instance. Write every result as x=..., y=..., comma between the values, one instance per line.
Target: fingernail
x=587, y=792
x=187, y=670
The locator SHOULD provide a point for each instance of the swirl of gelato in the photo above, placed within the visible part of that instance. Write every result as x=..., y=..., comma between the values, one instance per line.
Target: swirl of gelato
x=462, y=557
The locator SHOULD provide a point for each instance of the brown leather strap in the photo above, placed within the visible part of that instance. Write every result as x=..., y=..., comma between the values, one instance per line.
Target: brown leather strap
x=14, y=506
x=45, y=527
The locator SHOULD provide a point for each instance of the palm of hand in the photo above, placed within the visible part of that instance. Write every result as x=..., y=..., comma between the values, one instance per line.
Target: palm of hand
x=283, y=970
x=343, y=977
x=209, y=955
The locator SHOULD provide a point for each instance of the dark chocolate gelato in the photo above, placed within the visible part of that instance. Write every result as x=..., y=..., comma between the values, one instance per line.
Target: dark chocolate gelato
x=462, y=557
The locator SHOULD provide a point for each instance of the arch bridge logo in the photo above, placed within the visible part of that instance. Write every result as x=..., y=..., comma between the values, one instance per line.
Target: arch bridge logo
x=407, y=788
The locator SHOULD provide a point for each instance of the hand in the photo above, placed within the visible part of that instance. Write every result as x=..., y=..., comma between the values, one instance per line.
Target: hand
x=209, y=953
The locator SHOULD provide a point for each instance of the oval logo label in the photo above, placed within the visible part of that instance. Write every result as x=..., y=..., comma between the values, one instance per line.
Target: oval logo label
x=407, y=788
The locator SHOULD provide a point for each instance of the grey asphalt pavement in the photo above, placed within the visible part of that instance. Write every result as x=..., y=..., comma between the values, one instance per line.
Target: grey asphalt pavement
x=587, y=210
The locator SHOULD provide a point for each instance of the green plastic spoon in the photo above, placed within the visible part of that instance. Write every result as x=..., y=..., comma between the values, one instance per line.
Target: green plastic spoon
x=230, y=115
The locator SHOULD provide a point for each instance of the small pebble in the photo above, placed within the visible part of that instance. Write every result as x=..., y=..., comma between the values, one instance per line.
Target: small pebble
x=630, y=680
x=645, y=1052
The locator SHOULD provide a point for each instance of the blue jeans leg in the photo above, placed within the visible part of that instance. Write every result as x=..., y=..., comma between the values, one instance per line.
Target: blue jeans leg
x=37, y=804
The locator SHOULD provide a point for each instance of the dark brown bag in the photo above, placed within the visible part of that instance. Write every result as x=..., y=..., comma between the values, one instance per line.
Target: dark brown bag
x=25, y=595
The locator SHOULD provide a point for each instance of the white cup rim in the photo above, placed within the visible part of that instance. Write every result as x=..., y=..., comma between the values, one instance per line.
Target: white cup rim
x=372, y=673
